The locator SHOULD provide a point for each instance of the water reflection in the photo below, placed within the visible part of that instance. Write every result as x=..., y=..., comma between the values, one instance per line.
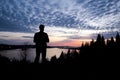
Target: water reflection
x=30, y=53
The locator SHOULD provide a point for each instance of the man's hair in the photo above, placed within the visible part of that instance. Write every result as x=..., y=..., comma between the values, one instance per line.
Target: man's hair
x=41, y=26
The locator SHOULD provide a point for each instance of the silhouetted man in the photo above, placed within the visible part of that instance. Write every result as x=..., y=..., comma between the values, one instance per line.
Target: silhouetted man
x=41, y=39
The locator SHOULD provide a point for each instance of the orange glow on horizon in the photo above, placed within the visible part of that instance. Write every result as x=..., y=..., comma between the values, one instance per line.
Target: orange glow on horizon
x=75, y=43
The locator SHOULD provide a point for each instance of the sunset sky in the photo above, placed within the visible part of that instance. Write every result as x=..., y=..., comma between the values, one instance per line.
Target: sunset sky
x=68, y=22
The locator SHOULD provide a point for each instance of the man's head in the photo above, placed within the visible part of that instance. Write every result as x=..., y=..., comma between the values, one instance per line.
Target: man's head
x=41, y=27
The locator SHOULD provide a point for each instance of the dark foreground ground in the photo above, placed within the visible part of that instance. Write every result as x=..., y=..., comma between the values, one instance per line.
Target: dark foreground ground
x=45, y=71
x=57, y=72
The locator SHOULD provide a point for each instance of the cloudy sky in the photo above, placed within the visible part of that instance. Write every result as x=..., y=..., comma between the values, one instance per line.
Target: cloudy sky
x=68, y=22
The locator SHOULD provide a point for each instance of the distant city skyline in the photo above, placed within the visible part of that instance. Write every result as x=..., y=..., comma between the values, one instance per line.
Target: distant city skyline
x=68, y=22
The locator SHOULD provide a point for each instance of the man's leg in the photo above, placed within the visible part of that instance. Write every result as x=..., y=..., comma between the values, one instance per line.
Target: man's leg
x=37, y=55
x=43, y=54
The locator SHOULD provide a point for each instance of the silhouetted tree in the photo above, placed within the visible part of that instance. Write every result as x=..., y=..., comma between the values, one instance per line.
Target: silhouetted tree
x=53, y=60
x=117, y=39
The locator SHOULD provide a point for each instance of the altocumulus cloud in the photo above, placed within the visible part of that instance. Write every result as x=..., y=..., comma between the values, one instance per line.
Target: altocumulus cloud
x=83, y=17
x=25, y=15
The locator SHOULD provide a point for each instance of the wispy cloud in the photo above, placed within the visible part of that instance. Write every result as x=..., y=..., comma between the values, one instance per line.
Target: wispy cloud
x=28, y=37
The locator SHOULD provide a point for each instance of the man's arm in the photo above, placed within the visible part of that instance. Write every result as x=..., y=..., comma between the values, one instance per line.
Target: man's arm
x=47, y=38
x=34, y=40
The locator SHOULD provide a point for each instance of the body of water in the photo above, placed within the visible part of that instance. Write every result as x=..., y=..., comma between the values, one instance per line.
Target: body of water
x=18, y=54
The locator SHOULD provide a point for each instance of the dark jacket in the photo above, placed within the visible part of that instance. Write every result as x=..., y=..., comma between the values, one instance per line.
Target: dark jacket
x=41, y=38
